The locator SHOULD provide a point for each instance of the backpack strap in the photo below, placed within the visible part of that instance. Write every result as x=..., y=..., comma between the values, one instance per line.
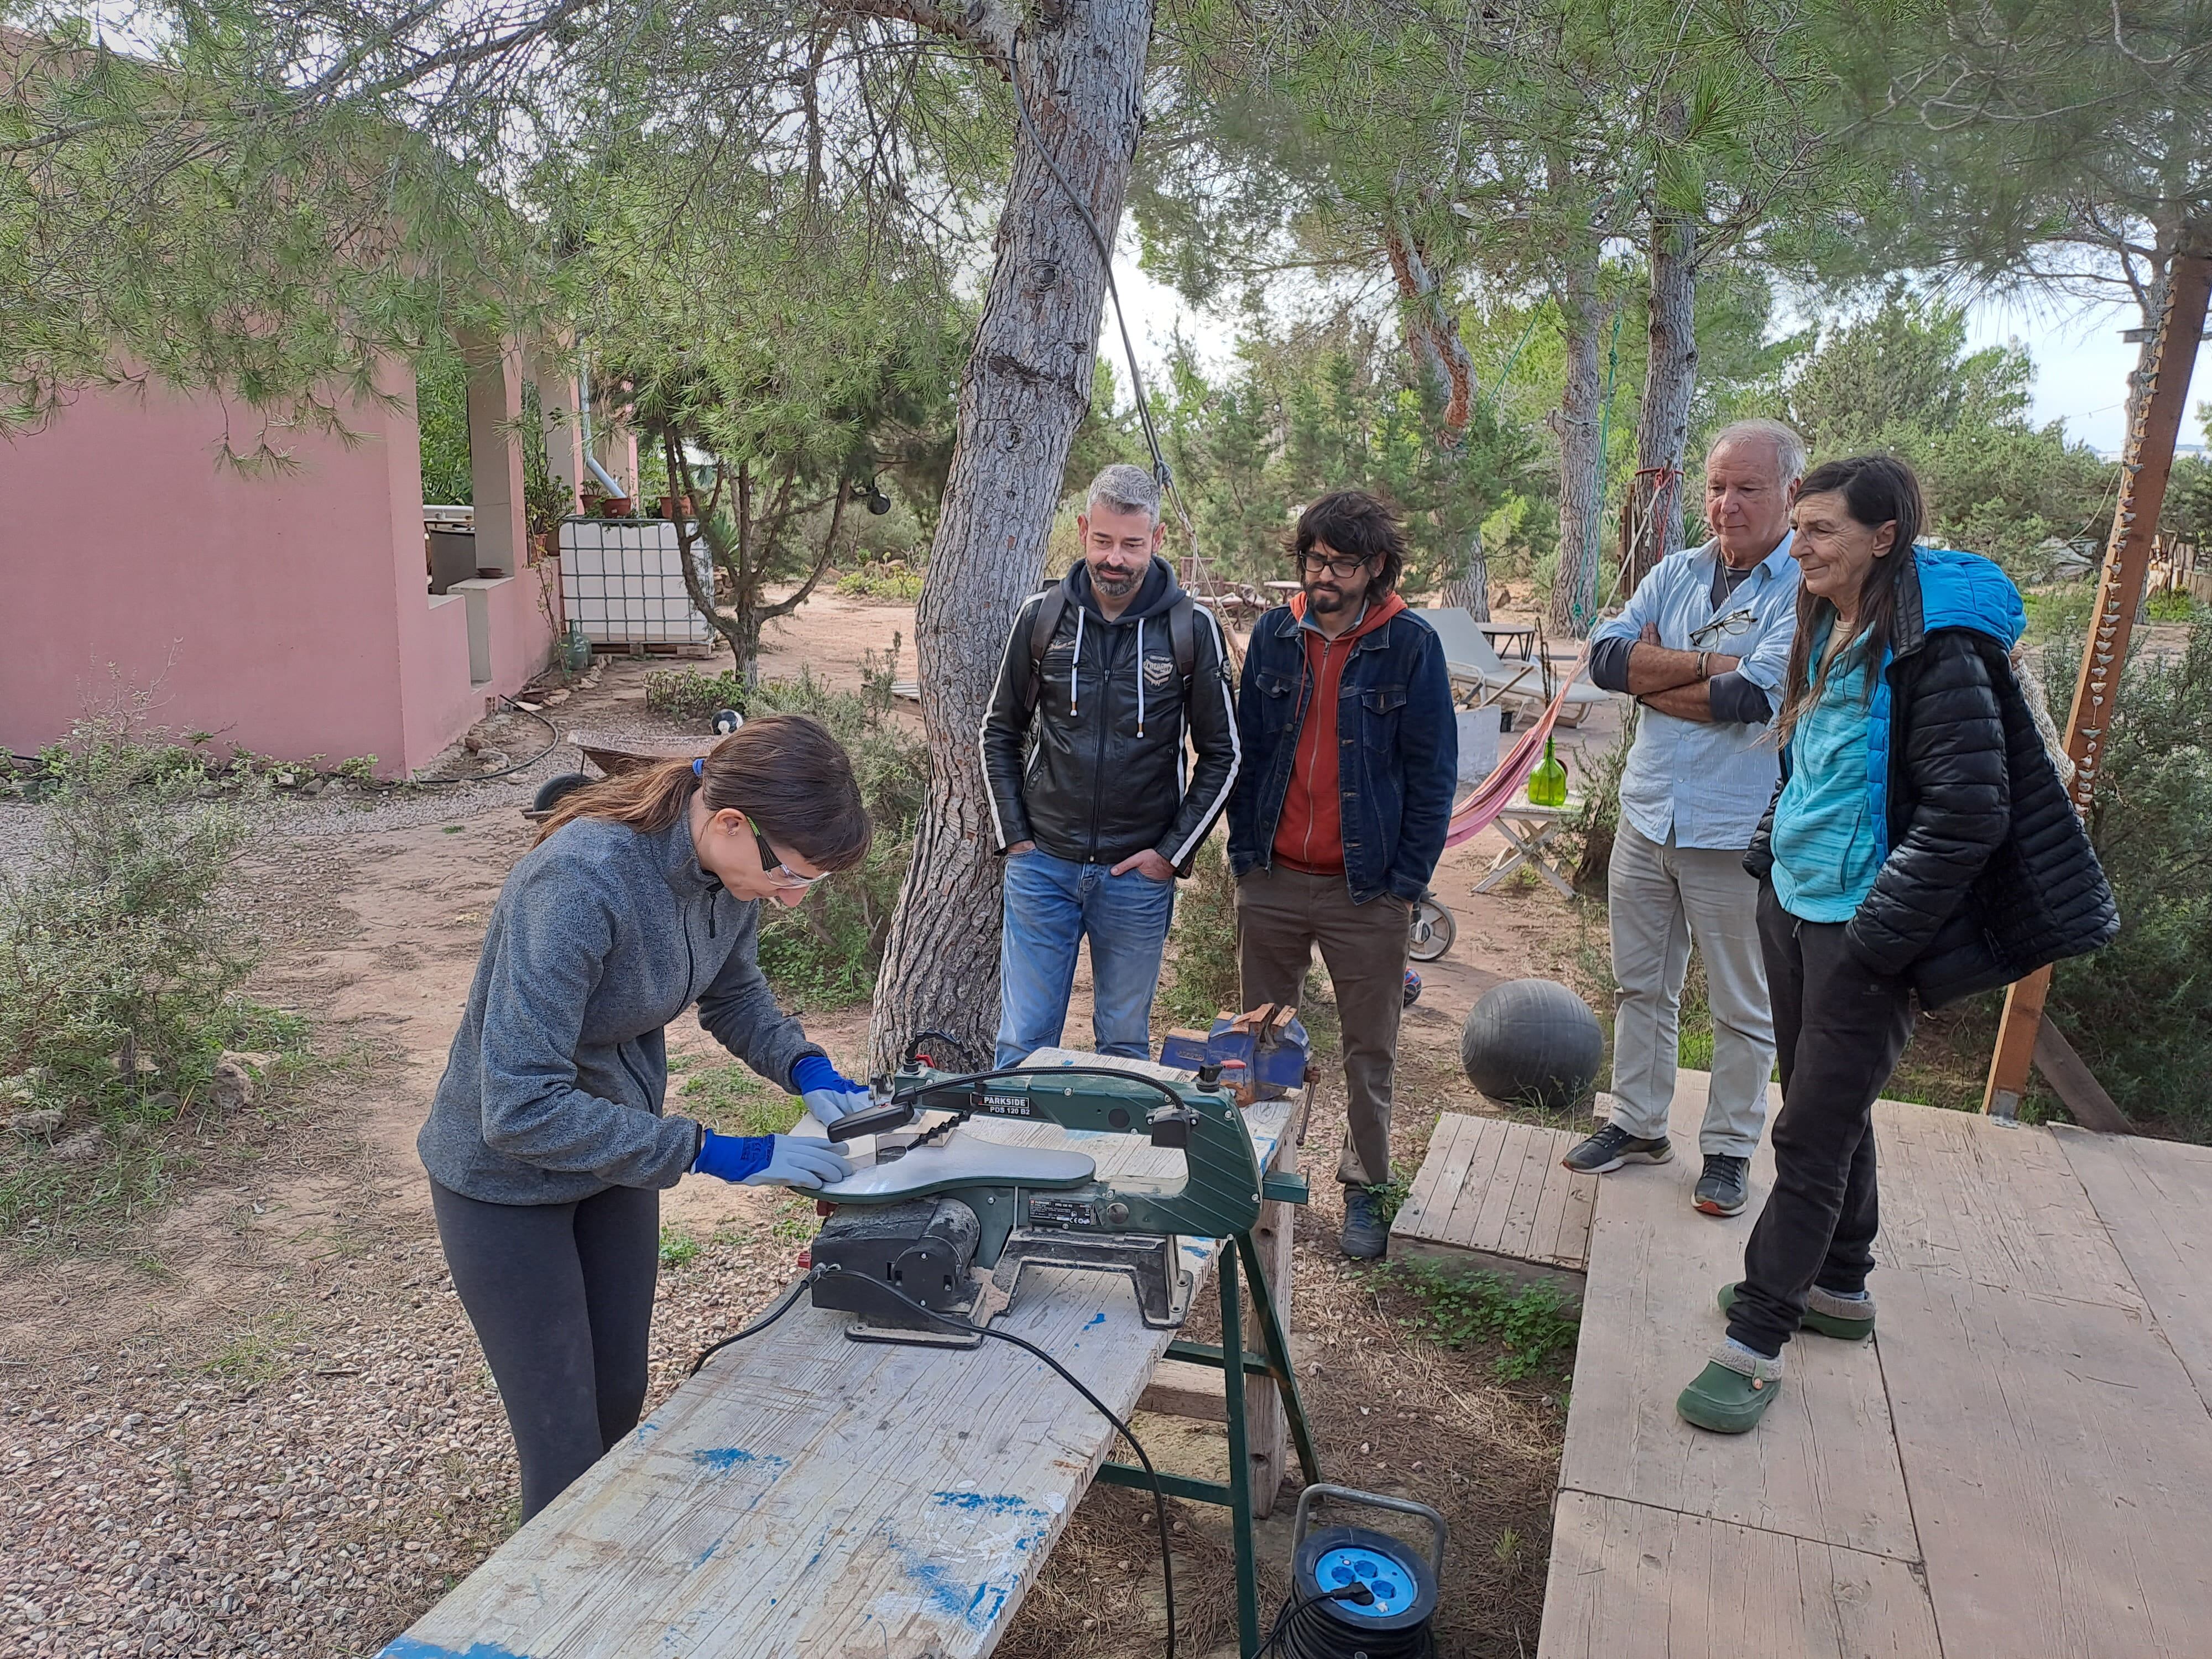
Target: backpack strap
x=1042, y=627
x=1182, y=636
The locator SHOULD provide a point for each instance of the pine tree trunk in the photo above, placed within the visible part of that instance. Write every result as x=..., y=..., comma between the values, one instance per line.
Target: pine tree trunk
x=1470, y=588
x=1574, y=590
x=1026, y=386
x=1669, y=378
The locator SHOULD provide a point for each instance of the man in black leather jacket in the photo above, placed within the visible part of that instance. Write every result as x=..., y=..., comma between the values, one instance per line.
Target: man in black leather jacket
x=1094, y=803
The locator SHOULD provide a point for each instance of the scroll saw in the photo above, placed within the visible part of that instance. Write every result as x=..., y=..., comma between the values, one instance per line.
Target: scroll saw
x=952, y=1219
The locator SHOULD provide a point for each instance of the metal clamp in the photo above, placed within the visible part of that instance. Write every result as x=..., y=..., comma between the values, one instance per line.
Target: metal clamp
x=1373, y=1500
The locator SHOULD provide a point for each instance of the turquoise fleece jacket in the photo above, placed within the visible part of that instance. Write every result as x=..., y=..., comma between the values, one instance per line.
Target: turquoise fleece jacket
x=554, y=1087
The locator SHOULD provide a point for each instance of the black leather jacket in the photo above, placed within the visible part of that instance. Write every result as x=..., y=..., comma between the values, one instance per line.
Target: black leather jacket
x=1095, y=772
x=1989, y=874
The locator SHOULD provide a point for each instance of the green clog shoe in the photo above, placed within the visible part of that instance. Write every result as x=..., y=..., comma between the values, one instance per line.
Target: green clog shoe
x=1727, y=1400
x=1830, y=1315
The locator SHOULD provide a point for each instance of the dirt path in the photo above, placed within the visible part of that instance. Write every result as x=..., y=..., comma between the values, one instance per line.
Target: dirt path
x=263, y=1427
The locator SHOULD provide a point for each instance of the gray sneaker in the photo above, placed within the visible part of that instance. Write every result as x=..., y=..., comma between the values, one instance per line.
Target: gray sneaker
x=1366, y=1235
x=1613, y=1147
x=1725, y=1187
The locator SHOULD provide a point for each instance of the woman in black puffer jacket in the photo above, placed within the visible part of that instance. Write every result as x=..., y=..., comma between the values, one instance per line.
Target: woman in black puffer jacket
x=1920, y=840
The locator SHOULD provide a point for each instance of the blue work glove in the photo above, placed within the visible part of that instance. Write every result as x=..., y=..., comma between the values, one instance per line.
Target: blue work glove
x=828, y=1096
x=770, y=1161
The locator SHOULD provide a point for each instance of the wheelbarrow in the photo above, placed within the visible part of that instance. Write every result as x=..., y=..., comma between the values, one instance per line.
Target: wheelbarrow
x=616, y=756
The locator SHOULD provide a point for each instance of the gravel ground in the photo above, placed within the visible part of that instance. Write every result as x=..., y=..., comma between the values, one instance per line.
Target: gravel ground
x=305, y=1486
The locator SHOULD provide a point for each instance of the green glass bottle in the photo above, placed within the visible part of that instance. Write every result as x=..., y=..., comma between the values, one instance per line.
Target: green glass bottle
x=1547, y=784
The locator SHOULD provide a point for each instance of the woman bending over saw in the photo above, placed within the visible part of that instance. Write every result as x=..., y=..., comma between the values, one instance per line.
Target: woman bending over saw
x=546, y=1144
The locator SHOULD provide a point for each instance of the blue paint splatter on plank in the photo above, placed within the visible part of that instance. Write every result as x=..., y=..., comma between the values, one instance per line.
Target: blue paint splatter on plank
x=407, y=1647
x=723, y=1459
x=1096, y=1319
x=977, y=1501
x=706, y=1554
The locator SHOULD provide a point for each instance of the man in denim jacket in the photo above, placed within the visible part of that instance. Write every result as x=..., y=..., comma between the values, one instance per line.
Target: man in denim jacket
x=1344, y=714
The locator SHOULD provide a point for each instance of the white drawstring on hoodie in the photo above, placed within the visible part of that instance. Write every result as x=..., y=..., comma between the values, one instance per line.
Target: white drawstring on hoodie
x=1075, y=668
x=1075, y=672
x=1140, y=677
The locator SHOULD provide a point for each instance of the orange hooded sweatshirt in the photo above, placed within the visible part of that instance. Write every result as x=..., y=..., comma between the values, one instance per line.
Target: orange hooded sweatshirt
x=1310, y=835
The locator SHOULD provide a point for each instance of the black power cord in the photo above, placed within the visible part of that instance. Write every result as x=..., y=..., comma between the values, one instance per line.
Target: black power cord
x=790, y=1301
x=1286, y=1621
x=1151, y=1475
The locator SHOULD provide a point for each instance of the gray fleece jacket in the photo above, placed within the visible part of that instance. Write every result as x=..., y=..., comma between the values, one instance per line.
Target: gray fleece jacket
x=554, y=1087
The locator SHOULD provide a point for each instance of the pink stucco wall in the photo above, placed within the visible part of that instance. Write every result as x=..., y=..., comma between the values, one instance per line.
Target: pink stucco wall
x=287, y=613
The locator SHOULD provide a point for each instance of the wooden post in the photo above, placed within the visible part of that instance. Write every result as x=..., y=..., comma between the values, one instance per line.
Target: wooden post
x=2143, y=473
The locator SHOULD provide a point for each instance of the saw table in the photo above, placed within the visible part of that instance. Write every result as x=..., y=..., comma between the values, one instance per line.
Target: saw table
x=808, y=1495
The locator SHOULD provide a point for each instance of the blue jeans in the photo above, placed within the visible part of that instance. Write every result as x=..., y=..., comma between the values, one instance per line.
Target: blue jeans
x=1052, y=903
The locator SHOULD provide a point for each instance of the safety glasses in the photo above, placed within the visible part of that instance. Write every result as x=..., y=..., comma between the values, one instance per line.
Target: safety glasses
x=777, y=870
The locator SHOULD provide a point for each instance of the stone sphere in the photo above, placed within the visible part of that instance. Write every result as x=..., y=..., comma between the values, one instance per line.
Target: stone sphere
x=1532, y=1042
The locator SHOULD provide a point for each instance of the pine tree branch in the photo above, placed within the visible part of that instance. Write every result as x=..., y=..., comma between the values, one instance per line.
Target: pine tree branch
x=986, y=25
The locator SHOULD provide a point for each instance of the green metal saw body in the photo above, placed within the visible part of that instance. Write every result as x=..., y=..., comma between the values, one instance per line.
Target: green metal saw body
x=1217, y=1196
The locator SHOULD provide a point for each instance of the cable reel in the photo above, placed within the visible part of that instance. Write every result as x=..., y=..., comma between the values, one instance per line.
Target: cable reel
x=1359, y=1594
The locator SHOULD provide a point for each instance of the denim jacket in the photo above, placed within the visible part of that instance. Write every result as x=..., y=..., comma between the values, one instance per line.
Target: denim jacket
x=1398, y=751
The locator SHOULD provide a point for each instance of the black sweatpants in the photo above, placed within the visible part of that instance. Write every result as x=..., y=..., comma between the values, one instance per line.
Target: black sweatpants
x=561, y=1298
x=1838, y=1030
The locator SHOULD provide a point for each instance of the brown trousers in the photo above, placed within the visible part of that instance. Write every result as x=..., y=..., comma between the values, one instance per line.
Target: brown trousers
x=1281, y=915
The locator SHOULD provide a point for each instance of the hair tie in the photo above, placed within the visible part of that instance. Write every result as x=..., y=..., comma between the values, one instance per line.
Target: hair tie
x=698, y=767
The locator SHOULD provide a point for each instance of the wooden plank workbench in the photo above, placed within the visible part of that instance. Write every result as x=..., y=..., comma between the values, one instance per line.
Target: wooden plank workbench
x=809, y=1495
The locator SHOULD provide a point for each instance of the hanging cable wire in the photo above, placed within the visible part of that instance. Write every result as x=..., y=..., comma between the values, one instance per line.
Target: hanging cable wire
x=1161, y=471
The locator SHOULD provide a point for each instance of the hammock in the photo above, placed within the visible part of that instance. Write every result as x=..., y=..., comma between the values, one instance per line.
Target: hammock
x=1495, y=793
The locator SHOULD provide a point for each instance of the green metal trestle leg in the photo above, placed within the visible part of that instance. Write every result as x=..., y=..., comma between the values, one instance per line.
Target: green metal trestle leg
x=1274, y=1362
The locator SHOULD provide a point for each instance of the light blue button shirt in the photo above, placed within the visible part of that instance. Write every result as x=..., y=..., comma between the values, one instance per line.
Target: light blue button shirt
x=1707, y=783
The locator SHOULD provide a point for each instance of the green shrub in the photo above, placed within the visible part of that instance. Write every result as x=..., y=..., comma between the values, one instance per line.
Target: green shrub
x=825, y=952
x=2140, y=1011
x=1204, y=942
x=890, y=580
x=120, y=967
x=686, y=694
x=2174, y=604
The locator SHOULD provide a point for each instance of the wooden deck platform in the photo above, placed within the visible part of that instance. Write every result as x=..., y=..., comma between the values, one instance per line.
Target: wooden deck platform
x=807, y=1495
x=1491, y=1196
x=2019, y=1466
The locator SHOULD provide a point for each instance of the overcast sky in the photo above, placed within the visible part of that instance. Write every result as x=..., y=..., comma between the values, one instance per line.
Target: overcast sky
x=2082, y=364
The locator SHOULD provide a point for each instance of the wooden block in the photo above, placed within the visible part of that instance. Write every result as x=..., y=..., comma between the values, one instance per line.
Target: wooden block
x=1822, y=1465
x=2154, y=1198
x=1991, y=1201
x=2061, y=1469
x=1180, y=1388
x=1631, y=1582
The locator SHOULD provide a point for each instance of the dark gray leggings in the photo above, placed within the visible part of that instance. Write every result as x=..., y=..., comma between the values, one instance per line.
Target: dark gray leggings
x=561, y=1298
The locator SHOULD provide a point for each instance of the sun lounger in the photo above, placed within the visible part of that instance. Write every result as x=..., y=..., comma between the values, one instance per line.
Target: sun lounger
x=1480, y=678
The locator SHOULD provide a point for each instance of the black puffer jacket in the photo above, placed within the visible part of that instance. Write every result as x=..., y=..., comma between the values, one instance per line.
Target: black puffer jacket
x=1988, y=874
x=1095, y=771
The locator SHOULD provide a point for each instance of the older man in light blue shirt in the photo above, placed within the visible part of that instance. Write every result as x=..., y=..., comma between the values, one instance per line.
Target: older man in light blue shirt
x=1704, y=645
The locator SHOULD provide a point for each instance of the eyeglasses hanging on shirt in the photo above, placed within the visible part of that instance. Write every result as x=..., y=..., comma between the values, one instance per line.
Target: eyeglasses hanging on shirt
x=1723, y=627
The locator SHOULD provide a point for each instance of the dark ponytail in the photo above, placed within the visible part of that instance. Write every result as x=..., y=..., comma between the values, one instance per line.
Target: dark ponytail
x=1877, y=489
x=784, y=772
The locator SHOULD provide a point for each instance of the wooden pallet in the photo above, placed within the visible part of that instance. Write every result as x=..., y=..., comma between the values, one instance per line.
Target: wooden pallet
x=695, y=651
x=1491, y=1196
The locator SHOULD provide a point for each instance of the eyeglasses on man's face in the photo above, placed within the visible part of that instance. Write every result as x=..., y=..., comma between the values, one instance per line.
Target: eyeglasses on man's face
x=1339, y=565
x=1722, y=628
x=776, y=870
